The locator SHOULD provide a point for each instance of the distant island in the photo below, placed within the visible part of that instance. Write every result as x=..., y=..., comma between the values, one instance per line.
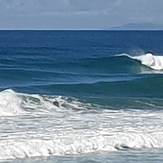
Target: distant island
x=139, y=26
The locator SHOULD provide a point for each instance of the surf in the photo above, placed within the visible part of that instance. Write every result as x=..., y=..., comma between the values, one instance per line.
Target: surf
x=152, y=61
x=14, y=104
x=34, y=125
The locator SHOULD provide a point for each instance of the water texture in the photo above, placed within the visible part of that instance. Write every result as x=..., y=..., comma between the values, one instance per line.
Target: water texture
x=81, y=96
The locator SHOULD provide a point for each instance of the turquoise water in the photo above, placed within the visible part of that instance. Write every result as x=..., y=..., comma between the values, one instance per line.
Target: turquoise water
x=81, y=96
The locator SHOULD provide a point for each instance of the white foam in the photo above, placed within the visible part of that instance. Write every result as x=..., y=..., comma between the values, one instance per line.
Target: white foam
x=77, y=144
x=10, y=103
x=152, y=61
x=39, y=127
x=83, y=133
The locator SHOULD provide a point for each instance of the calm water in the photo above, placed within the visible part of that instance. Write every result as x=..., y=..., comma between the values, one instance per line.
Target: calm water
x=81, y=96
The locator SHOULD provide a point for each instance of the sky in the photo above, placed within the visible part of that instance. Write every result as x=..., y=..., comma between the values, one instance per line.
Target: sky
x=77, y=14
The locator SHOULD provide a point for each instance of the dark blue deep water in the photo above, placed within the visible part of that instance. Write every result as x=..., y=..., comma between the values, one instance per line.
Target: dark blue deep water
x=81, y=96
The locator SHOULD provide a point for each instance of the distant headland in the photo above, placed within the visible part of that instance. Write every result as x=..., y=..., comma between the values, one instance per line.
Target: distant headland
x=138, y=26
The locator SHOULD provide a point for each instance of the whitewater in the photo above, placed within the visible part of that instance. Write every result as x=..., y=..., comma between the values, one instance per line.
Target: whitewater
x=81, y=96
x=152, y=61
x=32, y=126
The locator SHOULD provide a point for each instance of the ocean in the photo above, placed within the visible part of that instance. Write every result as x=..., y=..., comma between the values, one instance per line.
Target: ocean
x=81, y=96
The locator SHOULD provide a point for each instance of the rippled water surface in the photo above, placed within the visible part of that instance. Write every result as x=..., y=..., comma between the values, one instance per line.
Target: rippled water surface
x=81, y=96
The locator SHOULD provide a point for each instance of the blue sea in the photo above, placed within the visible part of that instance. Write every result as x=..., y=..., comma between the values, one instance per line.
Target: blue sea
x=81, y=96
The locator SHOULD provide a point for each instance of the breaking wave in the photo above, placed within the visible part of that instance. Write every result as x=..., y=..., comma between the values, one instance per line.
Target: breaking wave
x=122, y=64
x=12, y=103
x=38, y=125
x=152, y=61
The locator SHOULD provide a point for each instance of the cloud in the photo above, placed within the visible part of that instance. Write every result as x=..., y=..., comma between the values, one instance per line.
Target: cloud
x=16, y=7
x=78, y=13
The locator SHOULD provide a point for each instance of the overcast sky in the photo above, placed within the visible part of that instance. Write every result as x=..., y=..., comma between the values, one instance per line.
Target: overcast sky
x=77, y=14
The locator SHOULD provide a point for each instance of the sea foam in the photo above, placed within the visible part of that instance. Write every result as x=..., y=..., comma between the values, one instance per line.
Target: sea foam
x=10, y=103
x=35, y=126
x=13, y=103
x=152, y=61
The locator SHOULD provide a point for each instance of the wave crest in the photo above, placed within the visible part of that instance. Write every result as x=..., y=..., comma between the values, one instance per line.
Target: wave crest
x=152, y=61
x=13, y=103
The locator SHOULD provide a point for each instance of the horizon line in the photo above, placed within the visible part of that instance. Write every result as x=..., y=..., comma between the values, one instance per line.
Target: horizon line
x=73, y=29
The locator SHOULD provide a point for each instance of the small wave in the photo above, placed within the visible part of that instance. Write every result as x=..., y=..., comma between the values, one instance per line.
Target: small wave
x=140, y=86
x=13, y=103
x=152, y=61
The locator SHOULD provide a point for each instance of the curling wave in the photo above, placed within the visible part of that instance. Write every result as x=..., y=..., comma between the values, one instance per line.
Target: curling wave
x=152, y=61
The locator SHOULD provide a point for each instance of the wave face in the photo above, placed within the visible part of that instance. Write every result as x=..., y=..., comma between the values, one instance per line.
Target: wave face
x=80, y=93
x=34, y=125
x=149, y=60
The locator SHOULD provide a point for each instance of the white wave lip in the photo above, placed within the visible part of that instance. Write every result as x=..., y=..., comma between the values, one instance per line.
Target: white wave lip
x=154, y=62
x=10, y=104
x=34, y=125
x=149, y=60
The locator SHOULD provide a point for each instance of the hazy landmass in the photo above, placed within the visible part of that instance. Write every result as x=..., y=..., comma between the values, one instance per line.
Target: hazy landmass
x=139, y=26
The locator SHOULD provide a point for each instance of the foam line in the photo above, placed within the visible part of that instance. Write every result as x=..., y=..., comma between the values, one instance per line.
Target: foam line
x=71, y=144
